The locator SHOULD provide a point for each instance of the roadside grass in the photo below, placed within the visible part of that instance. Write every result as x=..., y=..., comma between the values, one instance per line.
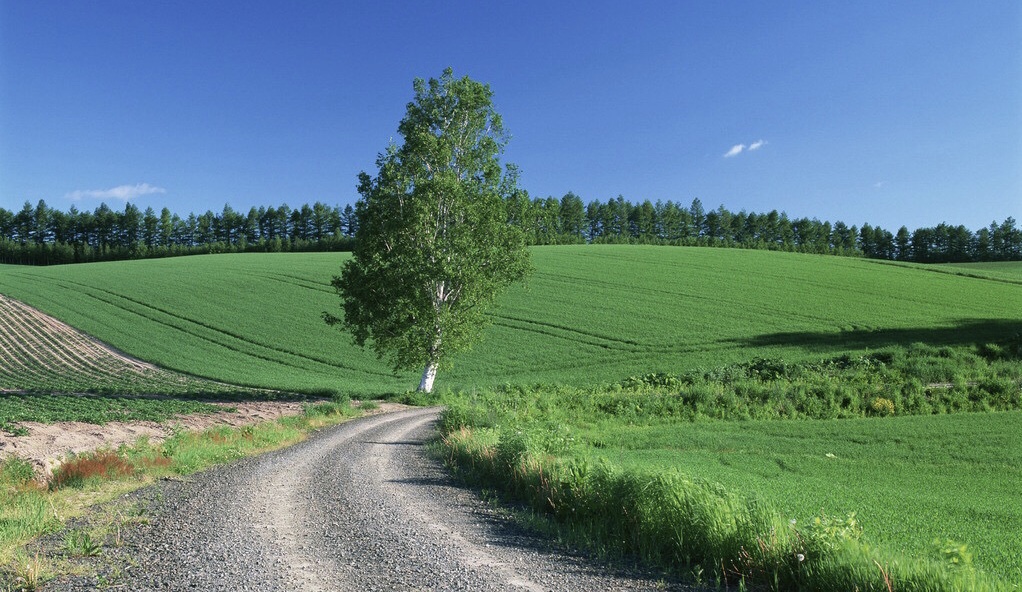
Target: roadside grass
x=30, y=508
x=706, y=472
x=590, y=314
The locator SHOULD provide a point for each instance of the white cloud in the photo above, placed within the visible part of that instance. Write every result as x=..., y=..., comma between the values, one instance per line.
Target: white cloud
x=122, y=192
x=735, y=150
x=879, y=184
x=739, y=148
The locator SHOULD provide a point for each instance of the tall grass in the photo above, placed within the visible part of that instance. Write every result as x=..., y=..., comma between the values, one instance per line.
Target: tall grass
x=550, y=446
x=693, y=526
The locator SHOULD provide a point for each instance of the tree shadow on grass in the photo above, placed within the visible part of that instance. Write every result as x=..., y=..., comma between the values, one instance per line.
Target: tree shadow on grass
x=960, y=332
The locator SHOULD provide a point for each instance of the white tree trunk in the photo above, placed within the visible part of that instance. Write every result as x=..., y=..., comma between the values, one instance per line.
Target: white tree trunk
x=426, y=384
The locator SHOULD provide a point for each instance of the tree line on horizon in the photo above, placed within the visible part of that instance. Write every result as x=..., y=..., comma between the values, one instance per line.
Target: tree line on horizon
x=40, y=235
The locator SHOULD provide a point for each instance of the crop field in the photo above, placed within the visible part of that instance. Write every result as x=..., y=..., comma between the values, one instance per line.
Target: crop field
x=42, y=356
x=45, y=355
x=1007, y=271
x=589, y=315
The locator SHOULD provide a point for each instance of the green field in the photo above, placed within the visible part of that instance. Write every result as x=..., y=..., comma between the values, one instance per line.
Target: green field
x=917, y=485
x=1007, y=271
x=907, y=486
x=590, y=314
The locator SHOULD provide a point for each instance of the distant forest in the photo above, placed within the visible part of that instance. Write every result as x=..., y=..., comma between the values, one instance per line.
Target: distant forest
x=40, y=235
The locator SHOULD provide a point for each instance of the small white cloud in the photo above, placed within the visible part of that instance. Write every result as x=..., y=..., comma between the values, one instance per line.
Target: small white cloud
x=879, y=184
x=122, y=192
x=735, y=150
x=739, y=148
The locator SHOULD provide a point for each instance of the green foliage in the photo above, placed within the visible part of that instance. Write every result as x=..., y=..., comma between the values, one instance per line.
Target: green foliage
x=954, y=554
x=827, y=534
x=79, y=543
x=433, y=247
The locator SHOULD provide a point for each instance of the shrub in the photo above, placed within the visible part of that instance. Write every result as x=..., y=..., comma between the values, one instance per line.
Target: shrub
x=653, y=380
x=512, y=447
x=881, y=406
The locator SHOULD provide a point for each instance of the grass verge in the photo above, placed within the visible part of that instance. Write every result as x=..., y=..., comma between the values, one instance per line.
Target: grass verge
x=30, y=508
x=635, y=469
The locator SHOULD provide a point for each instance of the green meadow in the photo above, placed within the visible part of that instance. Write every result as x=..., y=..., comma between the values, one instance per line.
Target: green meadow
x=910, y=480
x=928, y=489
x=589, y=314
x=1008, y=271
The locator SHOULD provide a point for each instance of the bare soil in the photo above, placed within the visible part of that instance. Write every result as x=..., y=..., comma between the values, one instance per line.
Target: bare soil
x=46, y=444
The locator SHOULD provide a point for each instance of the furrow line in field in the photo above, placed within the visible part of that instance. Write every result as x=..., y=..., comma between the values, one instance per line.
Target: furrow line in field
x=15, y=361
x=185, y=323
x=618, y=286
x=82, y=342
x=21, y=348
x=720, y=297
x=294, y=280
x=45, y=352
x=45, y=349
x=568, y=333
x=43, y=356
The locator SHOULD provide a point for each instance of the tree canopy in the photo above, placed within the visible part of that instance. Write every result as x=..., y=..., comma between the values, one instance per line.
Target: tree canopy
x=433, y=247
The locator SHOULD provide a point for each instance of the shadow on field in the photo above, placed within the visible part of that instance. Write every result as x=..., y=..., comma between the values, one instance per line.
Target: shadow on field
x=963, y=332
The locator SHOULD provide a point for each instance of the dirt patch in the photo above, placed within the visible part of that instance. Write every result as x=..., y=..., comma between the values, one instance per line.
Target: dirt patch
x=47, y=443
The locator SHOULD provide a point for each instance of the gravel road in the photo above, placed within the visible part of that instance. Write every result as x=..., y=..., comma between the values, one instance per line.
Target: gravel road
x=356, y=507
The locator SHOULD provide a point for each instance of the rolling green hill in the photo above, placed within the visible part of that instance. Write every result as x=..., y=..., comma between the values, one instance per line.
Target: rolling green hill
x=590, y=314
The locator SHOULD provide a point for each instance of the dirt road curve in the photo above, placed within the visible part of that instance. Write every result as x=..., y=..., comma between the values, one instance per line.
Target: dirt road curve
x=357, y=507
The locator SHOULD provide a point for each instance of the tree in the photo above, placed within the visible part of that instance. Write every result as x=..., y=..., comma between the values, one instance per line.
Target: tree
x=902, y=244
x=150, y=224
x=573, y=216
x=433, y=247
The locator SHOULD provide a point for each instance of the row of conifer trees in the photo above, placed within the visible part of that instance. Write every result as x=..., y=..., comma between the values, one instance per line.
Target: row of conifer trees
x=40, y=235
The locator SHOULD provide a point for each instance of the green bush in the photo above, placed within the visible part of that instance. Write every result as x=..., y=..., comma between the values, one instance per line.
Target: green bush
x=881, y=406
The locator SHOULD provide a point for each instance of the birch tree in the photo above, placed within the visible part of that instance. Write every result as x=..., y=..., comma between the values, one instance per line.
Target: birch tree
x=433, y=248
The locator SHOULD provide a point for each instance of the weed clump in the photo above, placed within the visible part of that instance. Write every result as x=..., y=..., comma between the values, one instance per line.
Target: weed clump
x=881, y=406
x=99, y=465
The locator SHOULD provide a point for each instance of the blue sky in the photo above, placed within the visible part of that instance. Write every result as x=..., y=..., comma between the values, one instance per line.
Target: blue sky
x=892, y=113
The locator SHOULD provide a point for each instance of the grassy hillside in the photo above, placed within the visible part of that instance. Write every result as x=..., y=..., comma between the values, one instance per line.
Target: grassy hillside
x=1008, y=270
x=590, y=314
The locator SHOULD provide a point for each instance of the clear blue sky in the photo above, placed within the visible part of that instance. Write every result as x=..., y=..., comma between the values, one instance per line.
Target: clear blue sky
x=892, y=113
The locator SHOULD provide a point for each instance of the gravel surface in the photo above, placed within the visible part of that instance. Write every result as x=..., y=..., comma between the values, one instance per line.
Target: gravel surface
x=356, y=507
